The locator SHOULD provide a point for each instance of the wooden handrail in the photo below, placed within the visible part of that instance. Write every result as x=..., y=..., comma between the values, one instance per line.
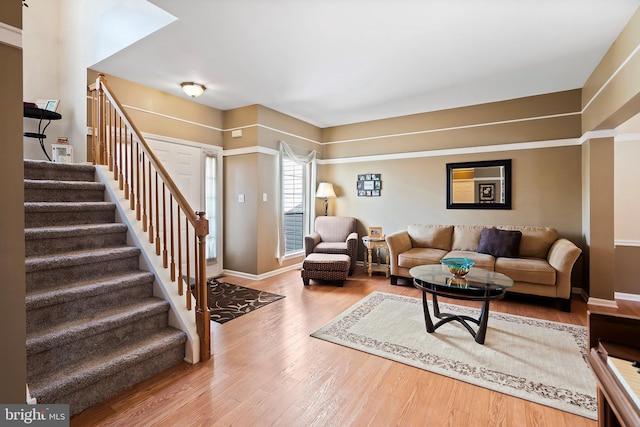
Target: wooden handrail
x=117, y=142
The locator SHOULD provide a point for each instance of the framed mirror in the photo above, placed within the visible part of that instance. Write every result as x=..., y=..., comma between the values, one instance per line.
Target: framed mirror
x=479, y=185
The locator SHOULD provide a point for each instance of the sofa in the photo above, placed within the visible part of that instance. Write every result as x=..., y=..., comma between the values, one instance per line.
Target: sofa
x=535, y=258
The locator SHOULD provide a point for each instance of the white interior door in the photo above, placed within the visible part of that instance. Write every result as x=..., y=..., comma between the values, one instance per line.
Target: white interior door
x=186, y=165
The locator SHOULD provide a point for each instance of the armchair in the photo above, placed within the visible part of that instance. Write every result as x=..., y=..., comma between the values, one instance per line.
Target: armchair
x=333, y=235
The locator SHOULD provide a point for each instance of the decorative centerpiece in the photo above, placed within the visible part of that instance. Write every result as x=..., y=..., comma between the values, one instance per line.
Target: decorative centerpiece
x=459, y=267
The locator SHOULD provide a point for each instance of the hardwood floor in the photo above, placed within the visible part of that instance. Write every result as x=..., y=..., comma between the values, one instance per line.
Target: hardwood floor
x=266, y=370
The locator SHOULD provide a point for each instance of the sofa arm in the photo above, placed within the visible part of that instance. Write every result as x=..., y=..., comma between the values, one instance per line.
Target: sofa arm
x=562, y=256
x=310, y=242
x=397, y=242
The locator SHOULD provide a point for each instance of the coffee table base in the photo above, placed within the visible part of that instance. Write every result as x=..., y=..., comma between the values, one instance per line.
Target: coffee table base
x=482, y=321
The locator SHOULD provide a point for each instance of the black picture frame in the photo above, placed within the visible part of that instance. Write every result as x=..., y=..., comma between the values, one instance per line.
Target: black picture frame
x=369, y=185
x=487, y=192
x=502, y=187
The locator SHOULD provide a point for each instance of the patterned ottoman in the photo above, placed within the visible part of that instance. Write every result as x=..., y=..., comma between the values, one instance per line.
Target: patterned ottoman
x=325, y=267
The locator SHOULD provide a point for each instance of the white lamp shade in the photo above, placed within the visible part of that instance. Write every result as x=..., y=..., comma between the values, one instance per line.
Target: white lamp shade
x=193, y=89
x=325, y=191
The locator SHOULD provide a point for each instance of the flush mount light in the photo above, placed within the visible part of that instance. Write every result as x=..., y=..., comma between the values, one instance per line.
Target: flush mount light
x=192, y=89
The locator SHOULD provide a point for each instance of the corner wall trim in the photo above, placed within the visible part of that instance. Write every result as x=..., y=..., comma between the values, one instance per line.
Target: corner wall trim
x=595, y=134
x=11, y=36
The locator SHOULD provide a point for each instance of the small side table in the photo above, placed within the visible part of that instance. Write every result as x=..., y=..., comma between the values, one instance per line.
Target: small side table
x=40, y=114
x=375, y=245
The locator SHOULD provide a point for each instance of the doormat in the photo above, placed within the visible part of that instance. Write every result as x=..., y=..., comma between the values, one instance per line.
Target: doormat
x=228, y=301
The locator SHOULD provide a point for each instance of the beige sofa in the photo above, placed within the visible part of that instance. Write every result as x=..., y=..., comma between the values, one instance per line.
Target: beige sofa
x=542, y=266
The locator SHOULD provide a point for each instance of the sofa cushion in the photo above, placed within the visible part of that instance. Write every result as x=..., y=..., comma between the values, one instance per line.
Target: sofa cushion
x=431, y=236
x=500, y=243
x=530, y=270
x=420, y=256
x=536, y=241
x=466, y=237
x=482, y=260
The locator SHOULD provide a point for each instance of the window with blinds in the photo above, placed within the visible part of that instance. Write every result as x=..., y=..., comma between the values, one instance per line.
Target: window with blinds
x=293, y=197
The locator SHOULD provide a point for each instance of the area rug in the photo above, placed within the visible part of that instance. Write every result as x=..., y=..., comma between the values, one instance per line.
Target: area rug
x=228, y=301
x=537, y=360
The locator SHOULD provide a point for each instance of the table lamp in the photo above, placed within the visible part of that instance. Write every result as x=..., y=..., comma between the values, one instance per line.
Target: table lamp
x=325, y=190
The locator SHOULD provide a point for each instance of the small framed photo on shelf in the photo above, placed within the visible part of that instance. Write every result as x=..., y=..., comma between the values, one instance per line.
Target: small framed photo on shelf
x=375, y=233
x=51, y=105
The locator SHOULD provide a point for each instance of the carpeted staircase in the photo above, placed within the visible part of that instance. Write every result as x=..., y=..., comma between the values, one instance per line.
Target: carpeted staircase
x=93, y=326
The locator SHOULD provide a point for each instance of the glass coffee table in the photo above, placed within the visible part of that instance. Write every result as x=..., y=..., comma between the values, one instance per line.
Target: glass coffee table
x=478, y=285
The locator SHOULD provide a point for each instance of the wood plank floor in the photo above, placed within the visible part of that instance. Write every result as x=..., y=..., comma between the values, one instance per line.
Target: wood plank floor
x=267, y=371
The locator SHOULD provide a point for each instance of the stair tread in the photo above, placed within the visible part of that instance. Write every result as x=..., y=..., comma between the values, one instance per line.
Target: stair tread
x=62, y=333
x=75, y=290
x=55, y=231
x=54, y=183
x=85, y=256
x=66, y=206
x=97, y=366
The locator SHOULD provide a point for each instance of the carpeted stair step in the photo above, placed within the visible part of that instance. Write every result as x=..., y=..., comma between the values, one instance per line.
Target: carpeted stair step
x=64, y=344
x=56, y=270
x=45, y=214
x=73, y=301
x=37, y=169
x=94, y=327
x=104, y=374
x=40, y=190
x=54, y=240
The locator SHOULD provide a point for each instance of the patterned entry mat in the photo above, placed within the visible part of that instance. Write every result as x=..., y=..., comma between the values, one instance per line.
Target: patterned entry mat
x=228, y=301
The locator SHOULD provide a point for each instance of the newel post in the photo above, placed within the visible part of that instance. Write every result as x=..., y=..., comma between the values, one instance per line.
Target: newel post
x=203, y=314
x=100, y=146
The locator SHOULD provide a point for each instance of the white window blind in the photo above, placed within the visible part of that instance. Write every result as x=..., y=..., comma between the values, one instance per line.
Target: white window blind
x=293, y=197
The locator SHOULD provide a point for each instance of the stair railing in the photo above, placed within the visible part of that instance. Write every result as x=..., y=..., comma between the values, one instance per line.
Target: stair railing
x=158, y=203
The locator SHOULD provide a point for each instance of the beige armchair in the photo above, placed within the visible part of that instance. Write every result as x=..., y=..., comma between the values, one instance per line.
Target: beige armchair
x=334, y=235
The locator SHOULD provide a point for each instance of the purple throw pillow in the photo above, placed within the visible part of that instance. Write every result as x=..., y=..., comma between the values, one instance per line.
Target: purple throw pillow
x=500, y=243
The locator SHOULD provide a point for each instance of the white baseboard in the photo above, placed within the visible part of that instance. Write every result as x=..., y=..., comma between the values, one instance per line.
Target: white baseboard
x=626, y=297
x=602, y=302
x=263, y=275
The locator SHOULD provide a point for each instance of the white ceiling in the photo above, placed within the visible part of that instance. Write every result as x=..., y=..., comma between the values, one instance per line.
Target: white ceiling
x=333, y=62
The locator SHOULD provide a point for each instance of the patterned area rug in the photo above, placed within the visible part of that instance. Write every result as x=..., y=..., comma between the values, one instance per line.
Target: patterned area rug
x=537, y=360
x=227, y=301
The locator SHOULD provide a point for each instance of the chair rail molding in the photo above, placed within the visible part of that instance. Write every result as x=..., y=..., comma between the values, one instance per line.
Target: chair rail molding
x=10, y=36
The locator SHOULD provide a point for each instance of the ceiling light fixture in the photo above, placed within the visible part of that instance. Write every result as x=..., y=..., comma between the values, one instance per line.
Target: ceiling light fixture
x=192, y=89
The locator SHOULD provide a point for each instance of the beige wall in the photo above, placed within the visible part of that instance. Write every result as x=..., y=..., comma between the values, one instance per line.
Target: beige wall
x=12, y=249
x=610, y=97
x=544, y=117
x=250, y=228
x=546, y=184
x=160, y=113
